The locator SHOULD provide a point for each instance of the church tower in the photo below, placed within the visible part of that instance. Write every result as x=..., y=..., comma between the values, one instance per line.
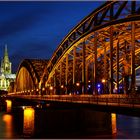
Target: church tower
x=5, y=63
x=6, y=76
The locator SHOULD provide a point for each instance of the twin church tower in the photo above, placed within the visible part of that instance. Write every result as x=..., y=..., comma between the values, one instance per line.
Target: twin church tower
x=6, y=76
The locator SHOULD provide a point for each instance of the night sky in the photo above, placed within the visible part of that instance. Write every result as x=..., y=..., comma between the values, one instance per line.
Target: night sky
x=35, y=29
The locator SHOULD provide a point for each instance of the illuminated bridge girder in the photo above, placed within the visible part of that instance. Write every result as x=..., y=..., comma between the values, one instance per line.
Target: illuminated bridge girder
x=105, y=45
x=29, y=75
x=109, y=36
x=70, y=68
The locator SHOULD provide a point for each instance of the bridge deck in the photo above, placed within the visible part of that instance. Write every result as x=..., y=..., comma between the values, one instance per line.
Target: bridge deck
x=106, y=100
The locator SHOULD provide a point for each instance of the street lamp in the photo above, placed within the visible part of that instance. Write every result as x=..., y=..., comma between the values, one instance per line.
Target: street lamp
x=37, y=91
x=103, y=81
x=51, y=87
x=77, y=89
x=77, y=84
x=43, y=89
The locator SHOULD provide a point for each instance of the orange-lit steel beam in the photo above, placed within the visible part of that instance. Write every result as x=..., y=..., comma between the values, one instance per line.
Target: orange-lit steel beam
x=117, y=66
x=95, y=62
x=111, y=59
x=54, y=80
x=74, y=64
x=86, y=71
x=133, y=75
x=66, y=73
x=105, y=69
x=60, y=76
x=111, y=50
x=83, y=70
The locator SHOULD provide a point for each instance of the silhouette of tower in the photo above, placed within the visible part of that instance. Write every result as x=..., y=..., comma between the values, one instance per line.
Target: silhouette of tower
x=6, y=76
x=5, y=63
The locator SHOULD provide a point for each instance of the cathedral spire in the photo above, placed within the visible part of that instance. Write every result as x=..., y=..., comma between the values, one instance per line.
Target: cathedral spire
x=6, y=57
x=5, y=63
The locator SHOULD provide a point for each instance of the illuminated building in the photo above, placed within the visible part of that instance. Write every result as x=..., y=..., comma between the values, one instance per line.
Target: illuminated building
x=6, y=76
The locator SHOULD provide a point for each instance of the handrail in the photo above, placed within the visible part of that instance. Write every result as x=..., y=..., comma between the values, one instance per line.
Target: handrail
x=118, y=100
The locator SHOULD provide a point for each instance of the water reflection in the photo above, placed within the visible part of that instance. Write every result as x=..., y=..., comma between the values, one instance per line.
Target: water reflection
x=113, y=120
x=9, y=105
x=24, y=123
x=8, y=127
x=128, y=127
x=28, y=126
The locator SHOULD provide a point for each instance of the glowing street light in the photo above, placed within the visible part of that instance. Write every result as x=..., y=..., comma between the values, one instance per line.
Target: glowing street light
x=43, y=89
x=77, y=84
x=62, y=86
x=103, y=80
x=51, y=87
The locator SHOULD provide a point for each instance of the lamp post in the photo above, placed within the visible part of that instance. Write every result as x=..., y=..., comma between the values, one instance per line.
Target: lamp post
x=43, y=91
x=104, y=88
x=77, y=85
x=51, y=88
x=37, y=91
x=61, y=91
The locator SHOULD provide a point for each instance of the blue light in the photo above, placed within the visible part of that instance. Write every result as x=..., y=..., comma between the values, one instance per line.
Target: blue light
x=98, y=85
x=89, y=86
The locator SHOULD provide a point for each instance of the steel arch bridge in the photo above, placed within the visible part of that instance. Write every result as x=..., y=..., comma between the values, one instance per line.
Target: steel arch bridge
x=29, y=75
x=103, y=48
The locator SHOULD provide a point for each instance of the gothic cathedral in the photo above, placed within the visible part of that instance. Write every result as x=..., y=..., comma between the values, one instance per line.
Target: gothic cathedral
x=6, y=76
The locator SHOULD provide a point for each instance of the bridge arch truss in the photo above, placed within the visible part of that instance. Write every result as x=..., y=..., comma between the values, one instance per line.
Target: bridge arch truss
x=29, y=76
x=103, y=48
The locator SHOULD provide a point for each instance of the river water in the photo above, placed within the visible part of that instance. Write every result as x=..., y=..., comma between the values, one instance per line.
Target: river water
x=31, y=122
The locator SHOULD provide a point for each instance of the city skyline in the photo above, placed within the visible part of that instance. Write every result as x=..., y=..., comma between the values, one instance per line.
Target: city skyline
x=35, y=29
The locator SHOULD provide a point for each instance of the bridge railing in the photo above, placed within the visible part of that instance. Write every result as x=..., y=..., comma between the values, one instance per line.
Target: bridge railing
x=112, y=100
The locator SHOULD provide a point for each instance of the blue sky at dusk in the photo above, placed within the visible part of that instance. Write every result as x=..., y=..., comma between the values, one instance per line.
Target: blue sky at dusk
x=35, y=29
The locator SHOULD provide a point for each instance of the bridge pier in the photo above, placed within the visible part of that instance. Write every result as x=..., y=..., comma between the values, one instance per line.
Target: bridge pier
x=66, y=120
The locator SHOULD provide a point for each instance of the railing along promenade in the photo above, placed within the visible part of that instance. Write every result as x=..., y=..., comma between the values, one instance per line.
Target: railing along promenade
x=107, y=100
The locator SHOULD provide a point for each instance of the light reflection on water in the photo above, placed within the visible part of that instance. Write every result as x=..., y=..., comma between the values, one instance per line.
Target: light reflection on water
x=9, y=105
x=8, y=119
x=113, y=121
x=28, y=125
x=128, y=127
x=122, y=126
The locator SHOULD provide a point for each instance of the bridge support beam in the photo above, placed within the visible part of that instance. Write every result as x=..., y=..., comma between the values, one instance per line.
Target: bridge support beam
x=105, y=70
x=83, y=70
x=111, y=59
x=66, y=73
x=74, y=65
x=86, y=71
x=133, y=75
x=95, y=63
x=54, y=80
x=60, y=76
x=117, y=66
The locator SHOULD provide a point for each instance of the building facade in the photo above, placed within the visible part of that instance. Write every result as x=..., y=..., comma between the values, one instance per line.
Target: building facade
x=6, y=76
